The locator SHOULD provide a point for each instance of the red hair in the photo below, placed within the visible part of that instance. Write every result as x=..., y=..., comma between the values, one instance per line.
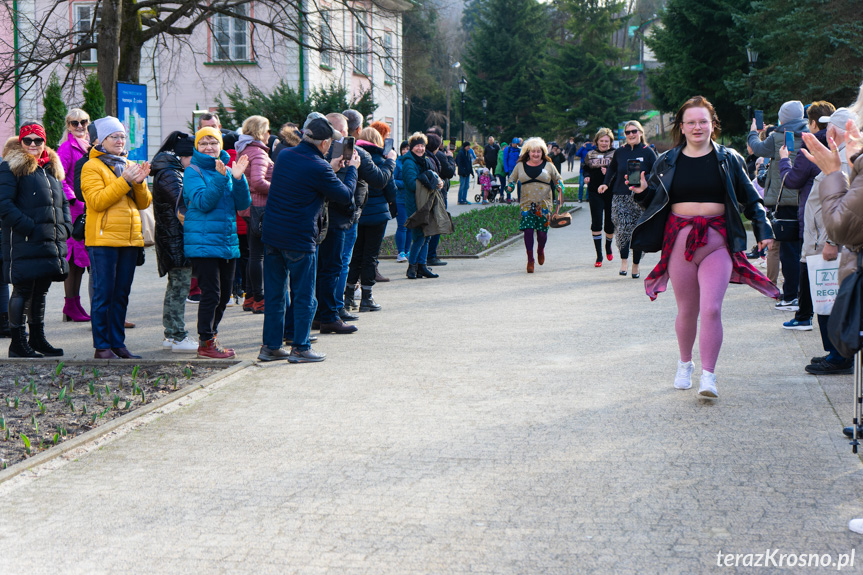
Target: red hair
x=382, y=128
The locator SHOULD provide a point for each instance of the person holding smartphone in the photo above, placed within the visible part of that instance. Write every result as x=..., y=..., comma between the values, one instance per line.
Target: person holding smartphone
x=624, y=211
x=691, y=214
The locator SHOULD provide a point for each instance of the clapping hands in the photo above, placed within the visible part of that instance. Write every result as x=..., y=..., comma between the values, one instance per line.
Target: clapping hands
x=136, y=173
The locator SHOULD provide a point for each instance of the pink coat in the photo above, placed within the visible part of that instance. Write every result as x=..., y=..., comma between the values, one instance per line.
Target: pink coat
x=70, y=151
x=259, y=172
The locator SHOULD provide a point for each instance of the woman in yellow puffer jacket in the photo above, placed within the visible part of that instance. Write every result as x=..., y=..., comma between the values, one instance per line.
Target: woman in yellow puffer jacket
x=114, y=190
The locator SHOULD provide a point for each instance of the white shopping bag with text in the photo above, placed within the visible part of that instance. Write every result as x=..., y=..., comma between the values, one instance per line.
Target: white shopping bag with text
x=823, y=283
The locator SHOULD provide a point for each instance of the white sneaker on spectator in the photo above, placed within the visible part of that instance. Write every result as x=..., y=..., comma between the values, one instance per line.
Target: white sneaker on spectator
x=401, y=257
x=188, y=345
x=168, y=343
x=708, y=385
x=683, y=379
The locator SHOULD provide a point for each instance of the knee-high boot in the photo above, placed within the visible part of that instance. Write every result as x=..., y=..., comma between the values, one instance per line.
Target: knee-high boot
x=19, y=346
x=36, y=320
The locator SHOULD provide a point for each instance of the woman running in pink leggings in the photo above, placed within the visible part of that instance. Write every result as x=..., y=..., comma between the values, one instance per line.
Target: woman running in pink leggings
x=691, y=215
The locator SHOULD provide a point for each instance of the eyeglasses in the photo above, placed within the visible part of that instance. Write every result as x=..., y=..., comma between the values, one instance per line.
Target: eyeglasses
x=700, y=124
x=32, y=141
x=117, y=137
x=630, y=132
x=76, y=123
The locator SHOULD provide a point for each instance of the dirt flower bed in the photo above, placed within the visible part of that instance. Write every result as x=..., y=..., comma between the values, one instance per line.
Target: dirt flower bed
x=43, y=404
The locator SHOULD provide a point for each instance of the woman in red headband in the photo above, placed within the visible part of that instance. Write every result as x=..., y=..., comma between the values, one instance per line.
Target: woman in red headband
x=36, y=224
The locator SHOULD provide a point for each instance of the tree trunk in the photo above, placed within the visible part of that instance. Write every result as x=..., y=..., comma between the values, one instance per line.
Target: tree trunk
x=107, y=52
x=130, y=44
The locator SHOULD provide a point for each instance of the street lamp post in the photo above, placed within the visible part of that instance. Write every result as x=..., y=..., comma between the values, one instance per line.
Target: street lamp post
x=462, y=86
x=484, y=125
x=752, y=58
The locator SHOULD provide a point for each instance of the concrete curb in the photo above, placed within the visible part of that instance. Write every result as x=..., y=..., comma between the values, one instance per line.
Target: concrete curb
x=505, y=243
x=114, y=424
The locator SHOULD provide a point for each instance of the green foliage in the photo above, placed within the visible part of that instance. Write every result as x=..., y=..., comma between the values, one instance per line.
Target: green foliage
x=54, y=118
x=584, y=85
x=700, y=46
x=94, y=99
x=502, y=63
x=809, y=50
x=285, y=104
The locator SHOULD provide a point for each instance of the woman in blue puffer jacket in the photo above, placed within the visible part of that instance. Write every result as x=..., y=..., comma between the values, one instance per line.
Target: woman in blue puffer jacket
x=213, y=193
x=403, y=237
x=379, y=209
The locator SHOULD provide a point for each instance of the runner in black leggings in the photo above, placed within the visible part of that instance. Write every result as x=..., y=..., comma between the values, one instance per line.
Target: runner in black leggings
x=596, y=164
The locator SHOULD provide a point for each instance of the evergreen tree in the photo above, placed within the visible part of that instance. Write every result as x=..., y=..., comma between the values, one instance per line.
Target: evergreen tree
x=702, y=49
x=809, y=50
x=54, y=118
x=584, y=85
x=94, y=99
x=502, y=63
x=426, y=72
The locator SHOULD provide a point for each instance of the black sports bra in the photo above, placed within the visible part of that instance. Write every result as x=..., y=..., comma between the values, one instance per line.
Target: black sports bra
x=697, y=180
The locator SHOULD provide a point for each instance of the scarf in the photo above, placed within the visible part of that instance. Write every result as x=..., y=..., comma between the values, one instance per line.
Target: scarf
x=116, y=163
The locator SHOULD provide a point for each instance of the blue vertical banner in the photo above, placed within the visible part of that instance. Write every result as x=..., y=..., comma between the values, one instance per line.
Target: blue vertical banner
x=132, y=112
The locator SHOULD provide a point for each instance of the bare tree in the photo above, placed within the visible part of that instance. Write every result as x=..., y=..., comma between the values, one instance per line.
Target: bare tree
x=123, y=27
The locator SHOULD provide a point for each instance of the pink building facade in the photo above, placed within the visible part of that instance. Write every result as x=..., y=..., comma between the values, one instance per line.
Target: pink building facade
x=192, y=75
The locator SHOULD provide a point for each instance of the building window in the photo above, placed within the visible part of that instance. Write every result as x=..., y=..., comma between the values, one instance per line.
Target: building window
x=389, y=60
x=231, y=36
x=87, y=18
x=361, y=45
x=326, y=40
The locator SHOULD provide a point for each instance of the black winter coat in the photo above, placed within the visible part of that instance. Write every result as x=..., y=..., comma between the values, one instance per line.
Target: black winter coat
x=739, y=191
x=368, y=174
x=381, y=201
x=167, y=172
x=35, y=213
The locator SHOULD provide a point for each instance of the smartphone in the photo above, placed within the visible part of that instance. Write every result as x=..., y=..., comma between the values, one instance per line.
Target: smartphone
x=789, y=141
x=336, y=149
x=759, y=119
x=452, y=145
x=388, y=145
x=633, y=172
x=348, y=151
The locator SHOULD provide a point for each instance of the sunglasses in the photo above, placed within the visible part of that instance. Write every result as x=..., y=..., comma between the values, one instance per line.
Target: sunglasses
x=32, y=141
x=630, y=132
x=76, y=123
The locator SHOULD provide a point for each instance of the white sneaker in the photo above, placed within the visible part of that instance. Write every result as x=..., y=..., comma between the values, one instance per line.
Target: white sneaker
x=168, y=343
x=401, y=258
x=188, y=345
x=856, y=525
x=708, y=385
x=683, y=379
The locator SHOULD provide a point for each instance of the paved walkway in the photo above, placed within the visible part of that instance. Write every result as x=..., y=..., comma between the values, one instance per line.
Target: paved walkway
x=489, y=421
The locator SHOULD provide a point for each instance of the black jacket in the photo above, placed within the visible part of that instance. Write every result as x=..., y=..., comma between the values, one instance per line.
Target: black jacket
x=381, y=202
x=489, y=156
x=36, y=221
x=368, y=174
x=650, y=227
x=445, y=167
x=463, y=163
x=167, y=172
x=616, y=172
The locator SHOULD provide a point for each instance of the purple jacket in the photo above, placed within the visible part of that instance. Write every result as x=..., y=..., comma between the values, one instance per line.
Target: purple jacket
x=800, y=177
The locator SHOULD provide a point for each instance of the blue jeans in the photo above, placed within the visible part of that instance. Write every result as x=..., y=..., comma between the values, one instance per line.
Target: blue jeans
x=281, y=269
x=113, y=270
x=403, y=238
x=580, y=186
x=419, y=247
x=347, y=254
x=463, y=187
x=329, y=268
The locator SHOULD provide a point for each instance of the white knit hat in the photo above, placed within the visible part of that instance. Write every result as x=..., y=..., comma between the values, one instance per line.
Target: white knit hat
x=107, y=126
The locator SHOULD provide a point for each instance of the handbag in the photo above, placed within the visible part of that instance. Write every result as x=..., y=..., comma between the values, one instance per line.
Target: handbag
x=79, y=226
x=148, y=225
x=783, y=230
x=559, y=220
x=823, y=282
x=844, y=325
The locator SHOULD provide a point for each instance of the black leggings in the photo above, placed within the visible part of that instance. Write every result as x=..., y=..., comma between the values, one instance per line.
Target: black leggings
x=216, y=279
x=600, y=203
x=366, y=250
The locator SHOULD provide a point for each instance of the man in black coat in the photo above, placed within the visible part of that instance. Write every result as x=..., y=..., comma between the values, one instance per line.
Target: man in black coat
x=489, y=154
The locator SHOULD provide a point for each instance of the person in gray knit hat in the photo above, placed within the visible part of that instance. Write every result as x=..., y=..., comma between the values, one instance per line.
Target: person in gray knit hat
x=791, y=119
